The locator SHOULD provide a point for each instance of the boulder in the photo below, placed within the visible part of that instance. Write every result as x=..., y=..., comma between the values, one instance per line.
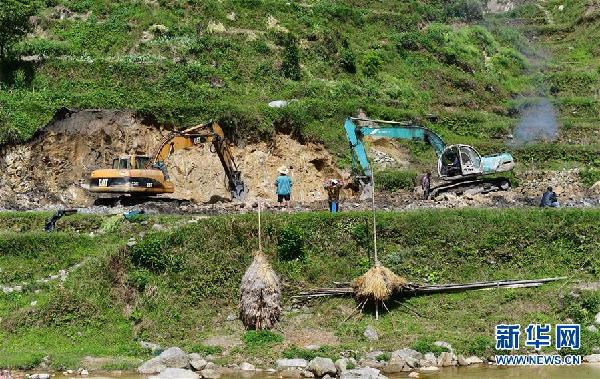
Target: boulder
x=395, y=365
x=176, y=373
x=373, y=355
x=591, y=328
x=473, y=360
x=446, y=359
x=174, y=357
x=342, y=364
x=321, y=366
x=245, y=366
x=410, y=356
x=307, y=374
x=152, y=366
x=592, y=358
x=361, y=373
x=287, y=364
x=462, y=361
x=197, y=362
x=429, y=359
x=413, y=374
x=371, y=334
x=209, y=373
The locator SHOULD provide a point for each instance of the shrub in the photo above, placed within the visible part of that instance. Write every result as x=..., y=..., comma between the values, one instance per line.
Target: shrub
x=290, y=244
x=372, y=62
x=290, y=67
x=467, y=10
x=294, y=351
x=393, y=180
x=348, y=60
x=154, y=253
x=205, y=350
x=426, y=345
x=261, y=338
x=480, y=346
x=589, y=177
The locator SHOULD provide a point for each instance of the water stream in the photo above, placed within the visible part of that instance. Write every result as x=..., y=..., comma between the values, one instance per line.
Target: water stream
x=589, y=371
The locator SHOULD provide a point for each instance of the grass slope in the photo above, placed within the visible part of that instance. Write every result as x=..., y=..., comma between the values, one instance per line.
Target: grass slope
x=177, y=286
x=224, y=59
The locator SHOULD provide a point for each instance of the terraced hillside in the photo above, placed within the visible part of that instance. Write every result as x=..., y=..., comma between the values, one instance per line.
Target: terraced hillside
x=187, y=61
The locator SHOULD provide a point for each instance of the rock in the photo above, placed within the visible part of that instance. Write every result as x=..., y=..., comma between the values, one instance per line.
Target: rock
x=445, y=345
x=473, y=360
x=231, y=317
x=597, y=318
x=360, y=373
x=462, y=361
x=592, y=328
x=174, y=357
x=287, y=364
x=371, y=334
x=327, y=377
x=209, y=373
x=231, y=16
x=372, y=363
x=410, y=356
x=429, y=359
x=84, y=372
x=321, y=366
x=151, y=366
x=307, y=374
x=198, y=363
x=150, y=346
x=446, y=359
x=342, y=364
x=245, y=366
x=413, y=374
x=592, y=358
x=210, y=365
x=176, y=373
x=158, y=29
x=429, y=369
x=395, y=365
x=215, y=27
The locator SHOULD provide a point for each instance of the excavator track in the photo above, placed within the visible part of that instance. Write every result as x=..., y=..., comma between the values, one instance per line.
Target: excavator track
x=129, y=201
x=474, y=186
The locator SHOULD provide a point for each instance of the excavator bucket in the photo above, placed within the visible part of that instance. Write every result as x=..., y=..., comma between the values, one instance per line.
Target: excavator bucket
x=367, y=191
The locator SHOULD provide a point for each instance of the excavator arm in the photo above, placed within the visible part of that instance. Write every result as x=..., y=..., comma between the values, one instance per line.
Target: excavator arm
x=210, y=132
x=386, y=129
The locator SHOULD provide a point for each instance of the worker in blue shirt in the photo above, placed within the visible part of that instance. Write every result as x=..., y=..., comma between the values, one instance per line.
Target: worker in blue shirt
x=283, y=186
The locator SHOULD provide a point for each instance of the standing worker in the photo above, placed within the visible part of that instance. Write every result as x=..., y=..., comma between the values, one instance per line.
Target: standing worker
x=283, y=186
x=333, y=187
x=426, y=184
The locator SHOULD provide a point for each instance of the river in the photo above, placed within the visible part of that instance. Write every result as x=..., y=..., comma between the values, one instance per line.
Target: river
x=481, y=372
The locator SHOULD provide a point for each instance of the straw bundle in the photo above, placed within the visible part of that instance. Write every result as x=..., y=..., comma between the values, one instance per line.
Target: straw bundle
x=260, y=295
x=377, y=284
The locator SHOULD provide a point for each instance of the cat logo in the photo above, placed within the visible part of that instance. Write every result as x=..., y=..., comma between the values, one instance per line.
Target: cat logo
x=102, y=182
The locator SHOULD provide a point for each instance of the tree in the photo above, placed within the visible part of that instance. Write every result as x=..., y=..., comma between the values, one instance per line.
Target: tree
x=14, y=22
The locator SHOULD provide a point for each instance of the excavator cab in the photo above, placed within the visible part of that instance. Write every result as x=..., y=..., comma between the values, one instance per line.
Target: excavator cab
x=458, y=161
x=131, y=162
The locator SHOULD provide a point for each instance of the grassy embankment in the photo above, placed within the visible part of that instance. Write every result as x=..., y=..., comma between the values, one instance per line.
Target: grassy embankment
x=227, y=59
x=177, y=286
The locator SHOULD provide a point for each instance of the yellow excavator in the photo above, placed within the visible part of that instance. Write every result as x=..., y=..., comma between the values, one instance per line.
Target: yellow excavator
x=142, y=175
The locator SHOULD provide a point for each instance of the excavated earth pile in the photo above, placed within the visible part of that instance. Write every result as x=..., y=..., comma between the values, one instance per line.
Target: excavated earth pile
x=51, y=168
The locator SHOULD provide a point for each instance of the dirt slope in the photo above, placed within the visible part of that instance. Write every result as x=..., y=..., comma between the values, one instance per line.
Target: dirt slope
x=51, y=167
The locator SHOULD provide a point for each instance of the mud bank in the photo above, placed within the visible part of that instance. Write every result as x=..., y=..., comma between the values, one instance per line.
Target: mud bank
x=51, y=168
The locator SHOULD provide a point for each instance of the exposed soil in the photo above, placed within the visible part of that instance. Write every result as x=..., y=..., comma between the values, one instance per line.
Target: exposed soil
x=51, y=168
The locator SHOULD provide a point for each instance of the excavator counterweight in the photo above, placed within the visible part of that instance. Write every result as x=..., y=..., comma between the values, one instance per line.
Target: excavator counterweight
x=148, y=176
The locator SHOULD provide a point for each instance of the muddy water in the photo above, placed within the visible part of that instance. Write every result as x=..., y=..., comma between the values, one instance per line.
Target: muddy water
x=575, y=372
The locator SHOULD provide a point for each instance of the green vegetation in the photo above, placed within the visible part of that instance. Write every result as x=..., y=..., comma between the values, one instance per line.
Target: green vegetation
x=225, y=60
x=393, y=180
x=114, y=300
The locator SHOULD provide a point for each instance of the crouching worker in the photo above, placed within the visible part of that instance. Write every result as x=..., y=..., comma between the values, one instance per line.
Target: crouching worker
x=333, y=187
x=549, y=199
x=283, y=186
